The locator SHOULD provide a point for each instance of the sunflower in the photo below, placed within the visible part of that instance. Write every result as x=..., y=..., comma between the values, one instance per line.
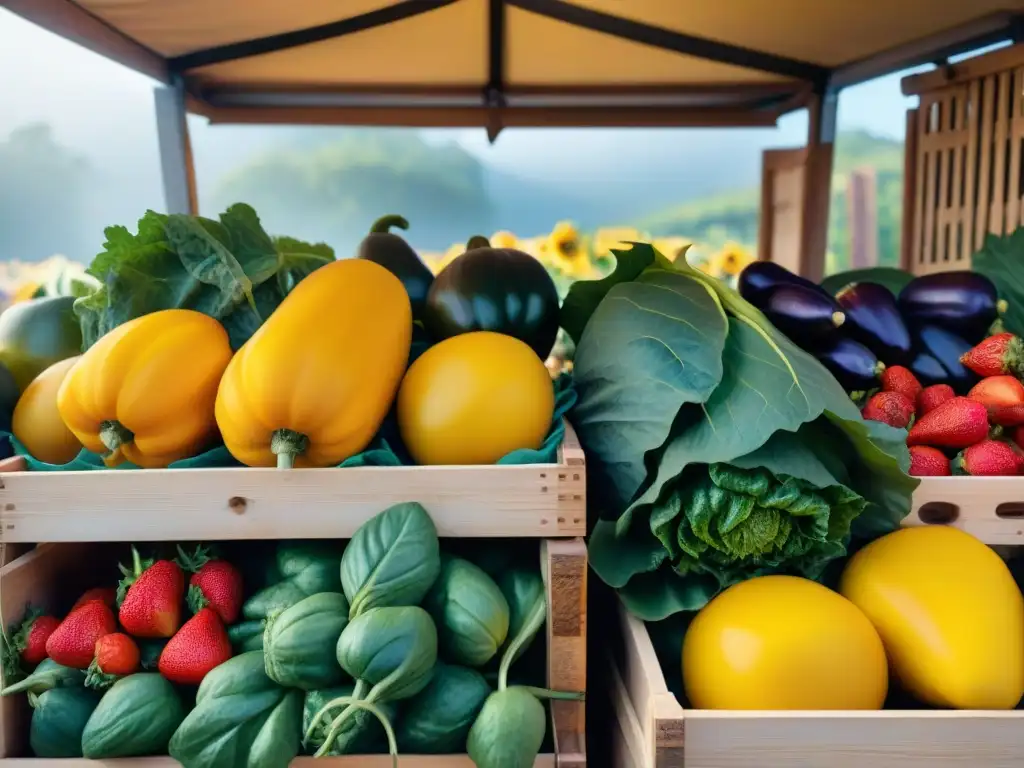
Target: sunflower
x=564, y=251
x=504, y=239
x=731, y=260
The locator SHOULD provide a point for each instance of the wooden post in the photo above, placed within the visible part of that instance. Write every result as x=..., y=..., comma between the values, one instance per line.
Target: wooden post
x=176, y=162
x=817, y=191
x=862, y=212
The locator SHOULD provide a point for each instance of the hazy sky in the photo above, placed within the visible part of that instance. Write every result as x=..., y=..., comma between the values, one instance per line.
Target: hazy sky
x=105, y=109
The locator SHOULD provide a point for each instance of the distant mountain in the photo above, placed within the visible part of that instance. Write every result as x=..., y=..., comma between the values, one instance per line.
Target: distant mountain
x=734, y=214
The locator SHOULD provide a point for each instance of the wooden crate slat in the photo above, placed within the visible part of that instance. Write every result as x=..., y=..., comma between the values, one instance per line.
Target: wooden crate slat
x=966, y=153
x=565, y=567
x=529, y=500
x=351, y=761
x=659, y=733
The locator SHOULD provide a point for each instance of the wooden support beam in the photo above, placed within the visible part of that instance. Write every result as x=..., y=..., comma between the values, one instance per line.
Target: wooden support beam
x=176, y=163
x=817, y=187
x=862, y=215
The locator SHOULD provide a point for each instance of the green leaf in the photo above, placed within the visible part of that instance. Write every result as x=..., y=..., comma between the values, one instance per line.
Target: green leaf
x=208, y=260
x=662, y=334
x=1000, y=261
x=585, y=295
x=892, y=278
x=770, y=384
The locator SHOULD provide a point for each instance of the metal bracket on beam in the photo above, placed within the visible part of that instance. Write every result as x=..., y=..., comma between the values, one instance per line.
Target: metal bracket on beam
x=175, y=149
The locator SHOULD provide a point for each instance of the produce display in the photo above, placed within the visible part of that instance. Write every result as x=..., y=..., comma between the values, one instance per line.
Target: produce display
x=391, y=642
x=717, y=449
x=927, y=326
x=922, y=617
x=294, y=359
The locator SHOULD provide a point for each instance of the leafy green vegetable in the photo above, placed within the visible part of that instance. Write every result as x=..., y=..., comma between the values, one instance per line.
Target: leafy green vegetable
x=392, y=560
x=390, y=652
x=527, y=601
x=359, y=735
x=229, y=269
x=470, y=611
x=136, y=717
x=1000, y=261
x=246, y=635
x=436, y=721
x=299, y=642
x=59, y=716
x=509, y=731
x=304, y=568
x=892, y=278
x=680, y=383
x=242, y=719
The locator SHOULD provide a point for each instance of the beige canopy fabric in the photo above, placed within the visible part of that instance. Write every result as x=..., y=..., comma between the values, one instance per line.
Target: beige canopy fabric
x=518, y=62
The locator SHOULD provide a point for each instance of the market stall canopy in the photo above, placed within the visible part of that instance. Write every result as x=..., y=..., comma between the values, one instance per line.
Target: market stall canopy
x=499, y=63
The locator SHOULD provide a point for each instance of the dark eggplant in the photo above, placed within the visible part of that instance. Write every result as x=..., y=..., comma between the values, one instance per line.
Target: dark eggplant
x=928, y=370
x=855, y=366
x=963, y=302
x=873, y=319
x=807, y=317
x=947, y=348
x=759, y=279
x=397, y=256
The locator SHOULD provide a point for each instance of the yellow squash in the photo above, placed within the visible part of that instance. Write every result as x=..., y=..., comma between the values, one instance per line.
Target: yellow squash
x=144, y=392
x=782, y=642
x=36, y=421
x=949, y=613
x=313, y=384
x=474, y=398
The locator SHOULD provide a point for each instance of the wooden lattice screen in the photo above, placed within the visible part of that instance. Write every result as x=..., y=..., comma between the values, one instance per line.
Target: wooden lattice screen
x=963, y=159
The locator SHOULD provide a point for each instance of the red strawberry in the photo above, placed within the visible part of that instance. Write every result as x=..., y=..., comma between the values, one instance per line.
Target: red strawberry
x=73, y=642
x=1003, y=396
x=199, y=646
x=117, y=655
x=926, y=461
x=988, y=458
x=932, y=397
x=996, y=355
x=957, y=423
x=150, y=597
x=26, y=645
x=890, y=408
x=106, y=595
x=216, y=583
x=896, y=378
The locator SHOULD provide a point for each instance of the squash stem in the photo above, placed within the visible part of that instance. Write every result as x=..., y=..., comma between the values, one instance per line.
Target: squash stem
x=477, y=241
x=533, y=623
x=113, y=435
x=350, y=702
x=383, y=225
x=287, y=444
x=547, y=693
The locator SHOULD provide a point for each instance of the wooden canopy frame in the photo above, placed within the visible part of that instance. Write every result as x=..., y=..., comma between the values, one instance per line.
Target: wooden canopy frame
x=786, y=84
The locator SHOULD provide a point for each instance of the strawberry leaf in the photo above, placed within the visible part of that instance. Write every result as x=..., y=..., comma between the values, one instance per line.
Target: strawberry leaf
x=131, y=575
x=193, y=562
x=196, y=599
x=98, y=679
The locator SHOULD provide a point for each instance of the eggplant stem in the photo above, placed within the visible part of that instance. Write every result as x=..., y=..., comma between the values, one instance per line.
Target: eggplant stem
x=382, y=226
x=287, y=444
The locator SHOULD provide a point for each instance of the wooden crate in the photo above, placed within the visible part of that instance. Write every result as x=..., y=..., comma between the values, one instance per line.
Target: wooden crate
x=77, y=512
x=963, y=159
x=526, y=500
x=43, y=574
x=652, y=729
